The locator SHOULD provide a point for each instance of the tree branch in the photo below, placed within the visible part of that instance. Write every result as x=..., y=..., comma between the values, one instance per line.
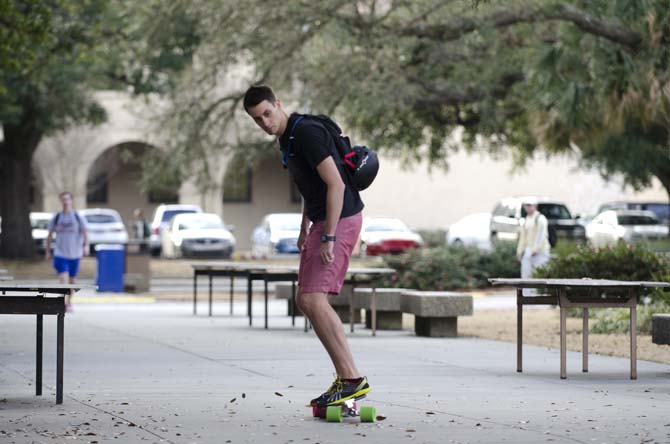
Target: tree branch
x=505, y=18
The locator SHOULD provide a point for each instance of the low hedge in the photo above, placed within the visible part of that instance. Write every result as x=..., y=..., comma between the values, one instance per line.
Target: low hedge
x=622, y=262
x=452, y=267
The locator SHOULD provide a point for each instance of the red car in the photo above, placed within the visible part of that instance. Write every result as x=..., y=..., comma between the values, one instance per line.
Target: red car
x=385, y=235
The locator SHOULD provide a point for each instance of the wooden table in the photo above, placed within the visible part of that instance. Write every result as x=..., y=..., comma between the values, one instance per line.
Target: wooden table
x=40, y=299
x=279, y=273
x=600, y=293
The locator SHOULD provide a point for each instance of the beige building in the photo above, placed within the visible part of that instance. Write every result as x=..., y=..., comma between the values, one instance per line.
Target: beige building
x=99, y=165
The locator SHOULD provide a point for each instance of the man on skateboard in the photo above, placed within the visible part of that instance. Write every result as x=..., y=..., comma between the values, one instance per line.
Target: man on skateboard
x=331, y=224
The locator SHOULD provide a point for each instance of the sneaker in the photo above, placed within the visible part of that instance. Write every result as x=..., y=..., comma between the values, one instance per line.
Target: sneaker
x=342, y=390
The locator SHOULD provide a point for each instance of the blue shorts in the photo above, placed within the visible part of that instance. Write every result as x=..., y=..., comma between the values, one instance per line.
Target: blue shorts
x=70, y=266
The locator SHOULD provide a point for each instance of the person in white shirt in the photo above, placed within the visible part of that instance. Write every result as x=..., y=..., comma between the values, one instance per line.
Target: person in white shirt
x=533, y=247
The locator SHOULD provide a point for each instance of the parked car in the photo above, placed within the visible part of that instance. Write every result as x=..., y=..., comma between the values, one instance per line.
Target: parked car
x=105, y=226
x=629, y=226
x=159, y=222
x=39, y=222
x=276, y=234
x=385, y=235
x=508, y=213
x=197, y=234
x=660, y=209
x=472, y=230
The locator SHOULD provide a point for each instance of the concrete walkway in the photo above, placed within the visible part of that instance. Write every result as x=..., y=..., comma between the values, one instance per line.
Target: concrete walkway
x=150, y=373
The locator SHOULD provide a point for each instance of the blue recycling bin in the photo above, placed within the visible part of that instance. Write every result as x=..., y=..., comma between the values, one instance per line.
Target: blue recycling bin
x=111, y=266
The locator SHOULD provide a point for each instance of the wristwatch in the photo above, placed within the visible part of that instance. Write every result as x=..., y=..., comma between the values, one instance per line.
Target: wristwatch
x=327, y=238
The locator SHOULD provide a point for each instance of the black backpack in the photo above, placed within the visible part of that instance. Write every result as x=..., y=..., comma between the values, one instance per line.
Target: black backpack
x=360, y=162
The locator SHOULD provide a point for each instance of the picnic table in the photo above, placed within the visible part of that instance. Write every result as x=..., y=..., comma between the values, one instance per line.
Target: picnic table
x=580, y=293
x=40, y=299
x=277, y=273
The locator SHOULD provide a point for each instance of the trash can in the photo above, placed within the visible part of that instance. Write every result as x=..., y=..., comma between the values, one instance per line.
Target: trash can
x=138, y=271
x=111, y=265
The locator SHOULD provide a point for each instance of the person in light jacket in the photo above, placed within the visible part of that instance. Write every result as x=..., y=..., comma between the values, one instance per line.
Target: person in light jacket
x=533, y=247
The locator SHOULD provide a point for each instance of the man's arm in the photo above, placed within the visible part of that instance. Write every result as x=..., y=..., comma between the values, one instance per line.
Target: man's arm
x=304, y=227
x=84, y=233
x=334, y=201
x=47, y=248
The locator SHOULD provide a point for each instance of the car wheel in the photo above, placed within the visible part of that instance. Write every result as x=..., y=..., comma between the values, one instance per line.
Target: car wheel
x=156, y=252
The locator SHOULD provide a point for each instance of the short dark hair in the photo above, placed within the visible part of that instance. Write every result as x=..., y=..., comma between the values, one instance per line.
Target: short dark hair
x=65, y=193
x=256, y=94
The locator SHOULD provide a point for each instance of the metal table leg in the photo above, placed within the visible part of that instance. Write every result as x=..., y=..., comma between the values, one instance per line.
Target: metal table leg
x=59, y=357
x=585, y=340
x=38, y=356
x=519, y=330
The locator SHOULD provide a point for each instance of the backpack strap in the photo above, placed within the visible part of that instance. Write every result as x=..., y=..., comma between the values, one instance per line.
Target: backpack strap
x=287, y=153
x=76, y=216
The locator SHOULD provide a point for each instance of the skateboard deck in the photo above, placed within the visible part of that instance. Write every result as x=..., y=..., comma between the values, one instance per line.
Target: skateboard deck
x=347, y=409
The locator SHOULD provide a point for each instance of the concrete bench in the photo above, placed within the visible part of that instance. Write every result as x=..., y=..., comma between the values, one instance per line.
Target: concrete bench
x=340, y=302
x=660, y=329
x=436, y=312
x=388, y=304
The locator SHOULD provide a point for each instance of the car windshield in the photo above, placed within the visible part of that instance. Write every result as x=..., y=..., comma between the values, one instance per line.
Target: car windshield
x=634, y=219
x=39, y=224
x=201, y=224
x=551, y=211
x=386, y=225
x=100, y=219
x=169, y=214
x=287, y=224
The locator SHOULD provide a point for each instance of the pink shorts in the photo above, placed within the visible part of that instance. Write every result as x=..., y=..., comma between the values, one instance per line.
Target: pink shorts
x=316, y=277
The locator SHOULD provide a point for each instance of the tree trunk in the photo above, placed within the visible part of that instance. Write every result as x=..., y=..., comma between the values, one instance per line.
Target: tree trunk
x=16, y=153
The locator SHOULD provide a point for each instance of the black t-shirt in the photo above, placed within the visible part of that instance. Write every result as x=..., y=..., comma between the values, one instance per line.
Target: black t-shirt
x=312, y=143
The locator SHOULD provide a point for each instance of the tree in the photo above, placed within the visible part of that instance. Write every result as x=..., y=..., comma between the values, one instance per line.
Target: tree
x=59, y=52
x=525, y=75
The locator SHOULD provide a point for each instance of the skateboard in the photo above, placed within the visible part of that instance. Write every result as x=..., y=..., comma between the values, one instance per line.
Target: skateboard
x=347, y=409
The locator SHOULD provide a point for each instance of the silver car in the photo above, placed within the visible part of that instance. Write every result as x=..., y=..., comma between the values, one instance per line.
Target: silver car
x=629, y=226
x=276, y=234
x=197, y=234
x=162, y=216
x=105, y=226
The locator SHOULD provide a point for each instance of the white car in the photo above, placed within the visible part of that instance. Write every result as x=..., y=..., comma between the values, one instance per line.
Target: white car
x=162, y=216
x=197, y=234
x=105, y=226
x=39, y=222
x=629, y=226
x=276, y=234
x=472, y=230
x=386, y=235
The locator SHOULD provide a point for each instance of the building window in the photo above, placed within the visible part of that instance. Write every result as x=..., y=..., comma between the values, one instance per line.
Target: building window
x=237, y=182
x=96, y=189
x=163, y=196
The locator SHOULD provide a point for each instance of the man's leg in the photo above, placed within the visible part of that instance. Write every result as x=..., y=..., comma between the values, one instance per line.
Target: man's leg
x=330, y=331
x=527, y=271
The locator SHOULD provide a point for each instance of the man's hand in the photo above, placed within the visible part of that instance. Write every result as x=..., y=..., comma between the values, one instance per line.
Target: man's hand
x=327, y=255
x=301, y=240
x=519, y=256
x=87, y=250
x=47, y=253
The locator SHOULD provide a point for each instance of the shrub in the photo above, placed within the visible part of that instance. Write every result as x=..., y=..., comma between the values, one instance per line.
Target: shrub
x=452, y=267
x=623, y=262
x=433, y=238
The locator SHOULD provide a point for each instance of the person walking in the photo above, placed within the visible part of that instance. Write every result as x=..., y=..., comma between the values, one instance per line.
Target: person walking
x=331, y=224
x=71, y=243
x=533, y=247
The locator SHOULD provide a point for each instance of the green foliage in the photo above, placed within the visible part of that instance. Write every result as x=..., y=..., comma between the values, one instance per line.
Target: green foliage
x=449, y=268
x=623, y=262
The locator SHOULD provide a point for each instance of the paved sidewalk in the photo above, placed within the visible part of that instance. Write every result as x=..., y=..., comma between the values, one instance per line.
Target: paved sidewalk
x=154, y=373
